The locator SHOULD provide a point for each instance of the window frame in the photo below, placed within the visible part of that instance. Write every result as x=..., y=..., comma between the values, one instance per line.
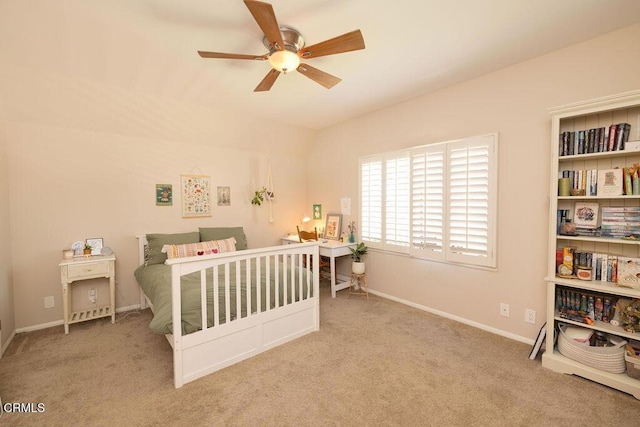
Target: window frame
x=423, y=238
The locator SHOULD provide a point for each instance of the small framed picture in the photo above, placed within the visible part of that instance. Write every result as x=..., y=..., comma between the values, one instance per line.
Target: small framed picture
x=317, y=211
x=333, y=227
x=224, y=196
x=96, y=245
x=164, y=195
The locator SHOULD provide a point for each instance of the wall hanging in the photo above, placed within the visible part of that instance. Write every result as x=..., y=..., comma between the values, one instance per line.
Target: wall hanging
x=270, y=193
x=224, y=196
x=164, y=195
x=196, y=196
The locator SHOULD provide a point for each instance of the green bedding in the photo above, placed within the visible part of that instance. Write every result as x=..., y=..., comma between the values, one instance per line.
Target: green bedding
x=155, y=281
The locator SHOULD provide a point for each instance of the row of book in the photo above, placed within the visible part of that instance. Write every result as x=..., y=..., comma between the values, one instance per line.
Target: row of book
x=576, y=305
x=585, y=181
x=595, y=266
x=600, y=182
x=620, y=222
x=596, y=140
x=589, y=219
x=604, y=267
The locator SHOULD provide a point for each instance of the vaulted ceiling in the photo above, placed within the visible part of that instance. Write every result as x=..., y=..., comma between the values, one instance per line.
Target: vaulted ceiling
x=413, y=47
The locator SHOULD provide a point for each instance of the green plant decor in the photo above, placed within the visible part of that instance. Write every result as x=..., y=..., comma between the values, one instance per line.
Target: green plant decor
x=258, y=197
x=358, y=252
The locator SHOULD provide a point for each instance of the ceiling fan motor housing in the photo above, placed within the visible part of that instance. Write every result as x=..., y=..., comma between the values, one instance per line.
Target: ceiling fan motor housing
x=291, y=37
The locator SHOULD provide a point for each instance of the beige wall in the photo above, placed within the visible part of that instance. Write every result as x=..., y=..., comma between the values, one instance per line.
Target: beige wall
x=6, y=281
x=515, y=103
x=83, y=162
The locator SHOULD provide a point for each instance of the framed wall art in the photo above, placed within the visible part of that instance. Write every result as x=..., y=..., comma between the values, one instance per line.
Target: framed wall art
x=196, y=196
x=224, y=196
x=164, y=195
x=333, y=227
x=317, y=211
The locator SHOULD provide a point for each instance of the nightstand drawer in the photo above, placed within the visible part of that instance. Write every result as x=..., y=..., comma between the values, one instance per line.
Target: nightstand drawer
x=100, y=269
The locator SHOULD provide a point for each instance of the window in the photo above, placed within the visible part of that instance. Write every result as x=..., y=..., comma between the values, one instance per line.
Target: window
x=434, y=202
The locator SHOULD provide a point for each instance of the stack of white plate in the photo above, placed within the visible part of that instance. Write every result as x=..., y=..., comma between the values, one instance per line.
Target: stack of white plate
x=610, y=359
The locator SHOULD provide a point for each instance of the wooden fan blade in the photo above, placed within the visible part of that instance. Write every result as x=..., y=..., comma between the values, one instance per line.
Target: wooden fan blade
x=318, y=76
x=266, y=19
x=231, y=55
x=268, y=81
x=344, y=43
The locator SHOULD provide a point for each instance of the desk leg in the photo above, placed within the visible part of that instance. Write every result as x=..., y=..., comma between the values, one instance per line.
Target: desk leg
x=112, y=297
x=333, y=275
x=65, y=306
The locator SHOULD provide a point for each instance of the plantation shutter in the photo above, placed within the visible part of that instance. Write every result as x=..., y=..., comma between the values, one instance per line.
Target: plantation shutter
x=471, y=216
x=434, y=202
x=397, y=206
x=371, y=200
x=427, y=202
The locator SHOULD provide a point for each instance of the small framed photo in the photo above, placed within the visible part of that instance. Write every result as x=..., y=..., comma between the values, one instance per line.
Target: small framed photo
x=333, y=227
x=317, y=211
x=224, y=196
x=164, y=195
x=96, y=245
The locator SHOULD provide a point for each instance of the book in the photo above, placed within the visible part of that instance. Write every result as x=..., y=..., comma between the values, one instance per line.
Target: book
x=601, y=137
x=539, y=340
x=610, y=182
x=629, y=272
x=622, y=135
x=586, y=215
x=611, y=143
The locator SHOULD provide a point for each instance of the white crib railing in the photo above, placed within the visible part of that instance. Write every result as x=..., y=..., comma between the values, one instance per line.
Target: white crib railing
x=288, y=309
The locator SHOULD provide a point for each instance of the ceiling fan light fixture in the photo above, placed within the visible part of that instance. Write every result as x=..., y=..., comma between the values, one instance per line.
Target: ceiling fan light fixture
x=284, y=60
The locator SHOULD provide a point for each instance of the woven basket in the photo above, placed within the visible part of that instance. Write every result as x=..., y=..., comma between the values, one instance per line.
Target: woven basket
x=633, y=363
x=610, y=359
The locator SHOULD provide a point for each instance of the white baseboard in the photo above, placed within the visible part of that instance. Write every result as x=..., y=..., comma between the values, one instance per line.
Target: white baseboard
x=6, y=344
x=456, y=318
x=61, y=321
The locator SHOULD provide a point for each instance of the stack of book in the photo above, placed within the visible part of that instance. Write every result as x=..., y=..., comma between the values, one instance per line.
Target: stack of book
x=604, y=267
x=584, y=180
x=620, y=222
x=597, y=140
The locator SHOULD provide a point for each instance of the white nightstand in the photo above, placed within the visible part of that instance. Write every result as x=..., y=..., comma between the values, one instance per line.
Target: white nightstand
x=73, y=270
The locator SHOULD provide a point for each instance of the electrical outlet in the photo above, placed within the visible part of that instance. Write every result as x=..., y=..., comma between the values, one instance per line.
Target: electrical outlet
x=504, y=309
x=93, y=295
x=49, y=302
x=530, y=316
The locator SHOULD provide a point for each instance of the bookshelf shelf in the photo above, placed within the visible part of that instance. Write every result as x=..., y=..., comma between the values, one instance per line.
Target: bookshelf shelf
x=598, y=240
x=602, y=113
x=603, y=155
x=596, y=286
x=625, y=197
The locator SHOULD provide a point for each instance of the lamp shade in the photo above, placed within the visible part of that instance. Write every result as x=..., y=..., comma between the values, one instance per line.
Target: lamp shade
x=284, y=60
x=305, y=218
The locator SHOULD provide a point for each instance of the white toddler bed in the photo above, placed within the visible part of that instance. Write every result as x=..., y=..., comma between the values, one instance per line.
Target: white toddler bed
x=285, y=308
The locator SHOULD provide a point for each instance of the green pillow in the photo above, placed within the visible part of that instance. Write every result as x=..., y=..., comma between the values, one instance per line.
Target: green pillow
x=221, y=233
x=155, y=242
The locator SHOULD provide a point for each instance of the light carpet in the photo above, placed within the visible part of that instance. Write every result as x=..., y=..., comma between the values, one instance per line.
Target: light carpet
x=373, y=362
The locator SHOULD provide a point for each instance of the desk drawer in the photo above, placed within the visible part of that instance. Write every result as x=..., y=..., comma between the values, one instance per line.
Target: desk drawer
x=87, y=270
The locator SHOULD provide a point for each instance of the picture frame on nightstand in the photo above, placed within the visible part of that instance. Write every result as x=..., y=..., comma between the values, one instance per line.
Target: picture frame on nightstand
x=96, y=245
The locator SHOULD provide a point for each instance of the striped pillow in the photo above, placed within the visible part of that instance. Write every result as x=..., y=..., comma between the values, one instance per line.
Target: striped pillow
x=201, y=248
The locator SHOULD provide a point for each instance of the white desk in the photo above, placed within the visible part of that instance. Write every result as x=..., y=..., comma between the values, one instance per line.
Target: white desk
x=332, y=249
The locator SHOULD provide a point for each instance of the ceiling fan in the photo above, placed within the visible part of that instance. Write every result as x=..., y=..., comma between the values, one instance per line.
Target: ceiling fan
x=286, y=48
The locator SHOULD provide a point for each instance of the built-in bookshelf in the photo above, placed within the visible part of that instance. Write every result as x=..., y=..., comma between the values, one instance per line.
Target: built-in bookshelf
x=599, y=142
